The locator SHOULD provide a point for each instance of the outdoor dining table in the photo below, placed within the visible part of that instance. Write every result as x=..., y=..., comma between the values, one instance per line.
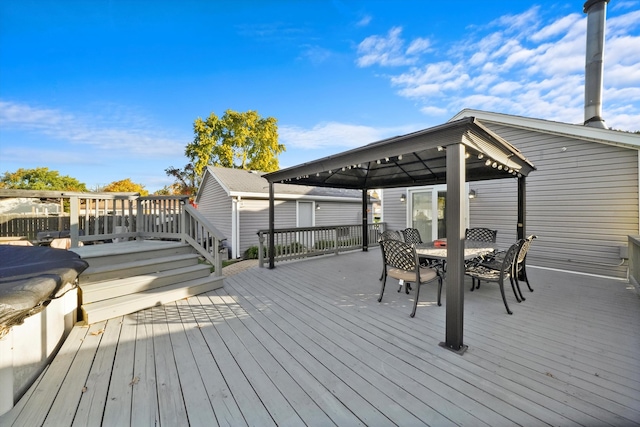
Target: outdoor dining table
x=438, y=254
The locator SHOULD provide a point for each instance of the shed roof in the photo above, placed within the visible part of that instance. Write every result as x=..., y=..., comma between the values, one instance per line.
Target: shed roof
x=418, y=158
x=239, y=182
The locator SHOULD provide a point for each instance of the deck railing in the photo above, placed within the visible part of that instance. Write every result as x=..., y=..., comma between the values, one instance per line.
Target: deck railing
x=114, y=217
x=303, y=242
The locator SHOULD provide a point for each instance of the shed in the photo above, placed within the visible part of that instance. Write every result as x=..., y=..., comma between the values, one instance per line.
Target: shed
x=236, y=202
x=582, y=203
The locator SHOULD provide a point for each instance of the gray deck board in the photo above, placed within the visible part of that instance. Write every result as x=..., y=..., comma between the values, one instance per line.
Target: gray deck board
x=308, y=344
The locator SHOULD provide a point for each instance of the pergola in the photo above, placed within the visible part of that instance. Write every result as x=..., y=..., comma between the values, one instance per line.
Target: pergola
x=451, y=153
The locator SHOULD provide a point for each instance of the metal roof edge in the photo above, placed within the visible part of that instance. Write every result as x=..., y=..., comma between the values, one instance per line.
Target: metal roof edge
x=285, y=196
x=603, y=136
x=322, y=163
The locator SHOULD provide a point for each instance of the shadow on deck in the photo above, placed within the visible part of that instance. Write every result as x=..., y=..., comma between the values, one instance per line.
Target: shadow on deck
x=308, y=344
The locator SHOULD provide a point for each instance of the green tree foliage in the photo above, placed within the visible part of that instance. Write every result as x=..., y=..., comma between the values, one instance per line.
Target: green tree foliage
x=40, y=179
x=186, y=180
x=164, y=191
x=235, y=140
x=125, y=186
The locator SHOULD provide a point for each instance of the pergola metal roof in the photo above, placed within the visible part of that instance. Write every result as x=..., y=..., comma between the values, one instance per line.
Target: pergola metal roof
x=452, y=153
x=418, y=158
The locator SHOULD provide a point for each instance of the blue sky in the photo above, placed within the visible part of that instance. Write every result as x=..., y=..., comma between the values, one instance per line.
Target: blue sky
x=107, y=90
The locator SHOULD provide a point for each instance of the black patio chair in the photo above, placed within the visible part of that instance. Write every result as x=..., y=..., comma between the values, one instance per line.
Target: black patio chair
x=519, y=265
x=400, y=261
x=411, y=235
x=481, y=234
x=478, y=272
x=391, y=235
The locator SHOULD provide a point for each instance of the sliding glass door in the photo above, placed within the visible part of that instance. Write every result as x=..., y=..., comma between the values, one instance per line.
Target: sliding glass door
x=427, y=212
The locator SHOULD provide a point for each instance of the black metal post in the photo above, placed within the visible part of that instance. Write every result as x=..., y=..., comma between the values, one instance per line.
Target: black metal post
x=456, y=203
x=365, y=226
x=272, y=215
x=522, y=208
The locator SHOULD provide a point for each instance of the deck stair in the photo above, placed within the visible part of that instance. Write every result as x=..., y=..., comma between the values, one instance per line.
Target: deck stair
x=123, y=278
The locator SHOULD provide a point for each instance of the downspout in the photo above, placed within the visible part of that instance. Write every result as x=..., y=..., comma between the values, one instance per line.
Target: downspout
x=234, y=227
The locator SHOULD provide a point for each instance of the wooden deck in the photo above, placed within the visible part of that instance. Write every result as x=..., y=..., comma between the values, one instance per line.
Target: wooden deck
x=308, y=344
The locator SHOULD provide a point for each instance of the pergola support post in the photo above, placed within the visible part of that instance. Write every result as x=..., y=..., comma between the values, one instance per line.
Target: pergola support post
x=365, y=225
x=456, y=202
x=272, y=246
x=522, y=208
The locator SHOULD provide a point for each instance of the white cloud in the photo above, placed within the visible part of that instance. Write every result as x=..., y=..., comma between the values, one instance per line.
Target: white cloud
x=316, y=54
x=333, y=134
x=433, y=111
x=119, y=137
x=418, y=45
x=504, y=88
x=555, y=28
x=527, y=65
x=524, y=21
x=364, y=21
x=389, y=50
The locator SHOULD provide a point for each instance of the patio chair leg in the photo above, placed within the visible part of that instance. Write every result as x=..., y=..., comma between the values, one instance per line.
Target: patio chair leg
x=519, y=297
x=415, y=303
x=526, y=279
x=384, y=282
x=407, y=288
x=504, y=298
x=439, y=289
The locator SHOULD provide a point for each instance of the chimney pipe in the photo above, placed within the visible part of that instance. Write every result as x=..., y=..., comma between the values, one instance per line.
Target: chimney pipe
x=593, y=78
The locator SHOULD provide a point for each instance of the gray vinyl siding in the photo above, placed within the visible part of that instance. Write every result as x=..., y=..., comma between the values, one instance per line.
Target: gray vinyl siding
x=394, y=212
x=582, y=202
x=254, y=216
x=337, y=213
x=496, y=207
x=215, y=205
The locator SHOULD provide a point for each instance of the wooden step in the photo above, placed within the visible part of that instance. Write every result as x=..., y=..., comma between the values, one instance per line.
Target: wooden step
x=110, y=289
x=136, y=268
x=126, y=304
x=117, y=253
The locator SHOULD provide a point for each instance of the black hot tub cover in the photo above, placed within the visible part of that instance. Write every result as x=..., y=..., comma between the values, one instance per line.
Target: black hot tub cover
x=30, y=277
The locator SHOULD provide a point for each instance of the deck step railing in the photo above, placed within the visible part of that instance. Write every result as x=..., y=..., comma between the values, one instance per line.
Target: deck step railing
x=303, y=242
x=91, y=218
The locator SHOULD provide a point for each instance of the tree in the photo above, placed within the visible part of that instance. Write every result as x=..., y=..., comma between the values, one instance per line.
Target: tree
x=187, y=181
x=125, y=186
x=40, y=179
x=235, y=140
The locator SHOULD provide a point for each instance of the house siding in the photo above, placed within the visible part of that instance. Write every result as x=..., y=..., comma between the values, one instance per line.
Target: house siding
x=215, y=205
x=582, y=202
x=254, y=216
x=394, y=212
x=333, y=213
